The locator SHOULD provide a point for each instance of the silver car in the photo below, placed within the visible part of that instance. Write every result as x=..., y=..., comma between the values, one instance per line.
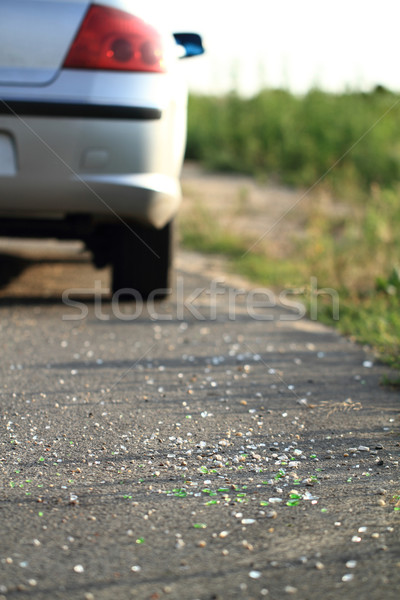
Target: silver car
x=93, y=131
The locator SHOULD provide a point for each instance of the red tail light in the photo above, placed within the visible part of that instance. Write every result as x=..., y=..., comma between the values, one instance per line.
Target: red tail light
x=112, y=39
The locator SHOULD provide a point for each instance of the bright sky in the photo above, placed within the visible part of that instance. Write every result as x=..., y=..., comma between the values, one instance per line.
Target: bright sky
x=296, y=44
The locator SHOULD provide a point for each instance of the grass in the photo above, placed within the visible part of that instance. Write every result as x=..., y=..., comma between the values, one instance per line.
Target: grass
x=201, y=231
x=344, y=153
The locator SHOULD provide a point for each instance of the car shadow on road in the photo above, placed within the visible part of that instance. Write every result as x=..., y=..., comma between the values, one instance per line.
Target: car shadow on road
x=41, y=280
x=11, y=267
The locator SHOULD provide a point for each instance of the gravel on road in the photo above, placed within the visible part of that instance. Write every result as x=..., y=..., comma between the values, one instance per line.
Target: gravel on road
x=195, y=449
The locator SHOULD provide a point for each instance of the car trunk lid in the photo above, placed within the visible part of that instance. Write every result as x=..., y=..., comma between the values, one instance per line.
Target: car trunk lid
x=35, y=38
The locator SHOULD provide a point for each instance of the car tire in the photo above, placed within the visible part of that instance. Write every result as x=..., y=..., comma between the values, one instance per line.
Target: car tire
x=142, y=262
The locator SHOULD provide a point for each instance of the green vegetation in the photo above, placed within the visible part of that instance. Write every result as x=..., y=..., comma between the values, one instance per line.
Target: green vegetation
x=349, y=139
x=344, y=152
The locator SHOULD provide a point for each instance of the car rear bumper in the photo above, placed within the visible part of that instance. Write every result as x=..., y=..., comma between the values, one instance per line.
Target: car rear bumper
x=111, y=167
x=150, y=198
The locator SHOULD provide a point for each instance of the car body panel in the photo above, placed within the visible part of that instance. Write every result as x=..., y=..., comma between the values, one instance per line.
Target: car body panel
x=34, y=54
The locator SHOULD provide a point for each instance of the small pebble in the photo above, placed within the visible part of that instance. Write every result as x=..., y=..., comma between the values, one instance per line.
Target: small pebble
x=255, y=574
x=79, y=569
x=348, y=577
x=248, y=521
x=351, y=564
x=246, y=545
x=224, y=534
x=289, y=589
x=167, y=589
x=271, y=514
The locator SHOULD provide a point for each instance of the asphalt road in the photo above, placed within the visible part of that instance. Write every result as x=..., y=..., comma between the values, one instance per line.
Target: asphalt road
x=205, y=448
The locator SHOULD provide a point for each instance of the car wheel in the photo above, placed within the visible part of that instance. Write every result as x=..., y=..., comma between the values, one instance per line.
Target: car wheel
x=142, y=260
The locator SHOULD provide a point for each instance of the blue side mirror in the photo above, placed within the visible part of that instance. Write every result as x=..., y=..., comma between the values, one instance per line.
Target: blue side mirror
x=191, y=43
